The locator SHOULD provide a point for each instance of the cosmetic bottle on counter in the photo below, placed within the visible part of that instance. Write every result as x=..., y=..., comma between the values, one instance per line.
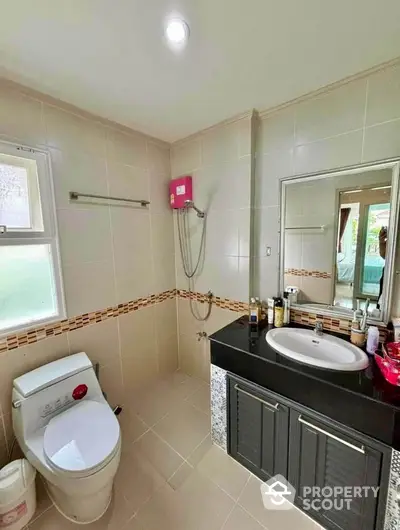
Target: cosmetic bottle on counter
x=278, y=313
x=372, y=340
x=270, y=313
x=254, y=311
x=286, y=309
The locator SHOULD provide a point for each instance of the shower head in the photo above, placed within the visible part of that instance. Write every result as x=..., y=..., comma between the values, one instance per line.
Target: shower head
x=190, y=204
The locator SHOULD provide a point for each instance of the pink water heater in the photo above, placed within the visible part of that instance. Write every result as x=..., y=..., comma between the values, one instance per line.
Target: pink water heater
x=180, y=191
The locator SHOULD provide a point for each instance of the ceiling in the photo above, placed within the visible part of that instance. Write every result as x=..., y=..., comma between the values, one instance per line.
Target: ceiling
x=109, y=57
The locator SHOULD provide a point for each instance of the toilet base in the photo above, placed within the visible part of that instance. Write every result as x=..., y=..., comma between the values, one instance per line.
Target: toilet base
x=80, y=510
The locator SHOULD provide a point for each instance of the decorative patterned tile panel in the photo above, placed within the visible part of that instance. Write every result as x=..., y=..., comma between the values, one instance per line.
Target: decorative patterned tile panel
x=219, y=429
x=308, y=273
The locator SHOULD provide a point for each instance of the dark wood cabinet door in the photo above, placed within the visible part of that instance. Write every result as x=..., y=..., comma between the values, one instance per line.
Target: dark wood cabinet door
x=321, y=454
x=259, y=428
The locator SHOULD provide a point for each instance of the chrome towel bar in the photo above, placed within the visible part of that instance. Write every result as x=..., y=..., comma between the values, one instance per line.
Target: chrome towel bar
x=74, y=196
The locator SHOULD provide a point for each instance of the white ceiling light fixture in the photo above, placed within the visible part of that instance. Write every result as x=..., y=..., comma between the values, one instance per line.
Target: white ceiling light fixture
x=176, y=33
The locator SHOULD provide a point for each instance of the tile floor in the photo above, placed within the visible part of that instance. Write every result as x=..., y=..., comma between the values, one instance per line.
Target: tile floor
x=171, y=477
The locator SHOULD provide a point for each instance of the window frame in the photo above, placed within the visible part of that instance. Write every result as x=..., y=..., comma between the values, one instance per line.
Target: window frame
x=49, y=234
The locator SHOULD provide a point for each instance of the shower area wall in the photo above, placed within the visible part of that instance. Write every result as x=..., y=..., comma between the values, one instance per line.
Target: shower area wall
x=220, y=161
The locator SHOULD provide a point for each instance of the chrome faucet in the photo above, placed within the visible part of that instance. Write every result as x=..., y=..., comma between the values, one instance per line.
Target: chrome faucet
x=319, y=327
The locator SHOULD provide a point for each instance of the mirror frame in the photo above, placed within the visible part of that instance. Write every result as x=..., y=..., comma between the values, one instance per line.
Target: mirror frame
x=388, y=283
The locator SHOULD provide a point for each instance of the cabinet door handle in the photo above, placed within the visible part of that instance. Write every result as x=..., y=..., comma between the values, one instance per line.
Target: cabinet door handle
x=269, y=405
x=355, y=447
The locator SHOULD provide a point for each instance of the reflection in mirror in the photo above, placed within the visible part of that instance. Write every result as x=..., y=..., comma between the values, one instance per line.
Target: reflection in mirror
x=363, y=221
x=335, y=238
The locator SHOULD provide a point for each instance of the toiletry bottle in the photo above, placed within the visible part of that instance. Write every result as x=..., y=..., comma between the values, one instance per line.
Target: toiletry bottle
x=286, y=309
x=278, y=313
x=359, y=312
x=355, y=323
x=372, y=340
x=258, y=302
x=253, y=311
x=271, y=303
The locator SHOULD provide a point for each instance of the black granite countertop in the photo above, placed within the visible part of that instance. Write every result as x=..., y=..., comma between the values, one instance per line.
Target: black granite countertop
x=361, y=400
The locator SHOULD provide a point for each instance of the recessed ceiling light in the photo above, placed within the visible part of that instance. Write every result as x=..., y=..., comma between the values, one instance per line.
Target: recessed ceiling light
x=176, y=32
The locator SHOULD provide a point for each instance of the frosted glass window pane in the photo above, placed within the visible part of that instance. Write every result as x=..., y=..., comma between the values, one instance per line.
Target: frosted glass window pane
x=27, y=285
x=14, y=197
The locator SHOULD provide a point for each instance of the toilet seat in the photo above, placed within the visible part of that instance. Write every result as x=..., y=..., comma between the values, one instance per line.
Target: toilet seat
x=81, y=440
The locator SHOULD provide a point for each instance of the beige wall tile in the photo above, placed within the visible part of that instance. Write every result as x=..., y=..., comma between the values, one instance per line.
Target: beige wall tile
x=77, y=171
x=164, y=274
x=167, y=354
x=162, y=235
x=129, y=149
x=73, y=134
x=316, y=290
x=111, y=382
x=89, y=287
x=127, y=182
x=165, y=317
x=85, y=235
x=19, y=361
x=159, y=162
x=138, y=349
x=383, y=96
x=21, y=117
x=270, y=169
x=336, y=112
x=276, y=132
x=132, y=253
x=44, y=351
x=3, y=445
x=187, y=325
x=185, y=157
x=382, y=141
x=99, y=341
x=11, y=366
x=159, y=192
x=219, y=318
x=244, y=128
x=336, y=152
x=220, y=144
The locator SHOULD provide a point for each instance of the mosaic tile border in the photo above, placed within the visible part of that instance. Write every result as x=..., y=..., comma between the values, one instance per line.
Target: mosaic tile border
x=17, y=340
x=310, y=274
x=11, y=342
x=336, y=325
x=223, y=303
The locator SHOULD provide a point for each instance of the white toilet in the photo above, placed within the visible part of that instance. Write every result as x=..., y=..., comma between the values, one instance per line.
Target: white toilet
x=69, y=433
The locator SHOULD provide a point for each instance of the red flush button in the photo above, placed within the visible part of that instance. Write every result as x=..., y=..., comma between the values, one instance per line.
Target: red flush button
x=79, y=392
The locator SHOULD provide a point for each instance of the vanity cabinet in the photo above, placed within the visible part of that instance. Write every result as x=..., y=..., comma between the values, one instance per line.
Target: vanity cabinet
x=271, y=435
x=259, y=429
x=323, y=455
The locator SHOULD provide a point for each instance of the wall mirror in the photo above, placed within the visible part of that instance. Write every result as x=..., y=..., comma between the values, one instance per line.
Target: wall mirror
x=338, y=239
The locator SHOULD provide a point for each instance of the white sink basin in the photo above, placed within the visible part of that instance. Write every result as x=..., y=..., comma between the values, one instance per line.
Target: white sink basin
x=325, y=351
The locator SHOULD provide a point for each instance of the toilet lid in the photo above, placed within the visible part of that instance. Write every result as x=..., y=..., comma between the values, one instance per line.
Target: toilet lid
x=82, y=437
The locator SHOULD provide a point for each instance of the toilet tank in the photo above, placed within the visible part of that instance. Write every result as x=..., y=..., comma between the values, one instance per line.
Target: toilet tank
x=43, y=393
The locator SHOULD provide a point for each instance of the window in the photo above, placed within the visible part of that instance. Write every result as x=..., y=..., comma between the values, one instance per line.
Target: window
x=30, y=274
